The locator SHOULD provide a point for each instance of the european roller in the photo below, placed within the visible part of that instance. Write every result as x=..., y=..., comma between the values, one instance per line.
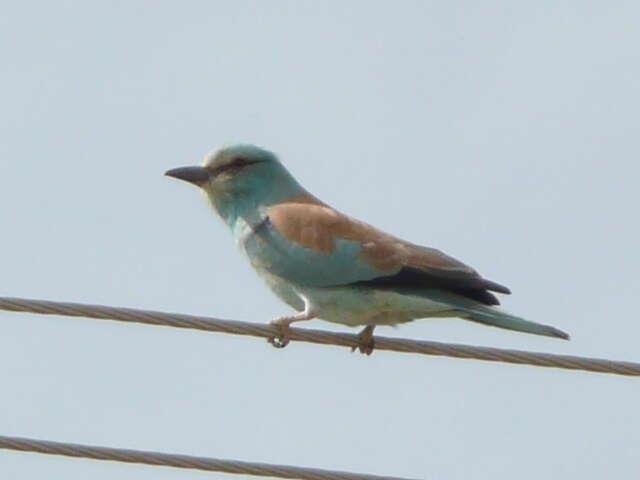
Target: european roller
x=327, y=265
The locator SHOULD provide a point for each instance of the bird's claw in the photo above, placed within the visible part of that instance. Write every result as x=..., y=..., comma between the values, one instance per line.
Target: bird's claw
x=278, y=342
x=281, y=340
x=364, y=348
x=366, y=343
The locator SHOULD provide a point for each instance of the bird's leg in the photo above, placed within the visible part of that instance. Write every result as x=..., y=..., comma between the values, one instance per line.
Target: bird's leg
x=283, y=323
x=365, y=340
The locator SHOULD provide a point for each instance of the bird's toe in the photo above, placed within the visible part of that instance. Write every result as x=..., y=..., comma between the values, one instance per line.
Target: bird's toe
x=366, y=343
x=366, y=348
x=280, y=340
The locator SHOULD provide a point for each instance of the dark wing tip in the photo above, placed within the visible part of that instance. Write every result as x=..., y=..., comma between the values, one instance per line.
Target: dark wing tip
x=560, y=334
x=495, y=287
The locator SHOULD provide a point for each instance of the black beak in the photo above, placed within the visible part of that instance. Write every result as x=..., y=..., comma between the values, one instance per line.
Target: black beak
x=196, y=175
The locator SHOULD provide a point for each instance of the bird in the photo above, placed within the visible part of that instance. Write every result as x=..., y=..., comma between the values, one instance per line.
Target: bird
x=327, y=265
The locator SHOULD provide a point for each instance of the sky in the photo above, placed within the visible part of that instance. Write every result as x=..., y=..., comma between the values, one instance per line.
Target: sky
x=504, y=133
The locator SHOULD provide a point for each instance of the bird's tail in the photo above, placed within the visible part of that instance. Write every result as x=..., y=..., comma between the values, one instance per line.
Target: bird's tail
x=497, y=318
x=476, y=312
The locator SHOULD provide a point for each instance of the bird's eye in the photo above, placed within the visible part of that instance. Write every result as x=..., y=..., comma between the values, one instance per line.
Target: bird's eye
x=233, y=167
x=239, y=162
x=236, y=165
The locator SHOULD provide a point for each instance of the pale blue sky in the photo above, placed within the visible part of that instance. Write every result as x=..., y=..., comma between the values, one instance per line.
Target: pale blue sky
x=503, y=133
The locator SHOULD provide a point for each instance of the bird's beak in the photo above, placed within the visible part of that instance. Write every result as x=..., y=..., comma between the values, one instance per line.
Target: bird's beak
x=196, y=175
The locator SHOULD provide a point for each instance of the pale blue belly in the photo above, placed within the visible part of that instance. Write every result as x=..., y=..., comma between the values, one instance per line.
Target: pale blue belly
x=353, y=306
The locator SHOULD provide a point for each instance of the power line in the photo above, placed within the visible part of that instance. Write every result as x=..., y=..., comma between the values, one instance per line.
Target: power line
x=180, y=461
x=209, y=324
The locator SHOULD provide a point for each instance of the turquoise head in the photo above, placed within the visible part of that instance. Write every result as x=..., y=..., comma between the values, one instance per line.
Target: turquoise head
x=240, y=179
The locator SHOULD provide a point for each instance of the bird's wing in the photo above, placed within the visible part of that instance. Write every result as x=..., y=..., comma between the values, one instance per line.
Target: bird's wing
x=327, y=248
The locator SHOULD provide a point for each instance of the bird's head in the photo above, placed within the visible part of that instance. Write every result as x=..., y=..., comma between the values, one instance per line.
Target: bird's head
x=240, y=177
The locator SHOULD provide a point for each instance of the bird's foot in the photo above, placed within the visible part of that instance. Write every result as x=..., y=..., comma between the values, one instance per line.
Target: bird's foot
x=282, y=324
x=366, y=343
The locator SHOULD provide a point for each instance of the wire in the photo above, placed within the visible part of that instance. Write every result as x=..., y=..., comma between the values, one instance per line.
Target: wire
x=320, y=337
x=180, y=461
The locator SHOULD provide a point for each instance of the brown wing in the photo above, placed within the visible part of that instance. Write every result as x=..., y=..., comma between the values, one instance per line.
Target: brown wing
x=309, y=223
x=314, y=225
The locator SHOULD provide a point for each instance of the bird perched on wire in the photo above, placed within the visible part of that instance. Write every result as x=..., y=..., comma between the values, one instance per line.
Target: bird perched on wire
x=327, y=265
